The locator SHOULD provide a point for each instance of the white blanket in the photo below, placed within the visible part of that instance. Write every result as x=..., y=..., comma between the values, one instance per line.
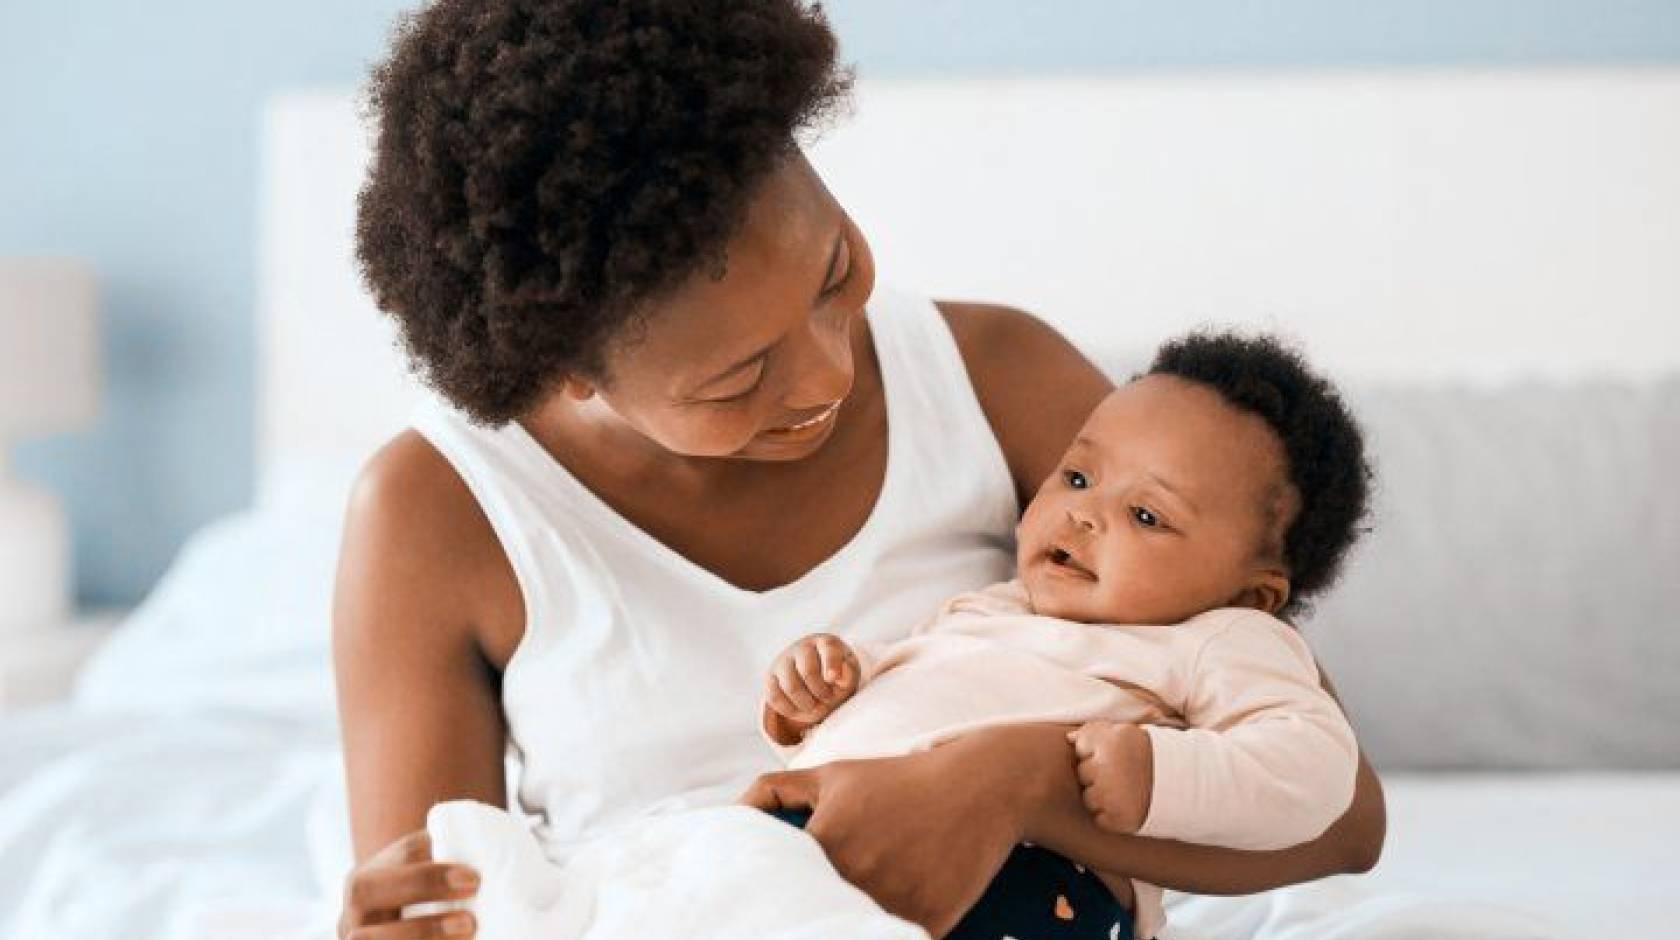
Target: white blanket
x=732, y=872
x=711, y=874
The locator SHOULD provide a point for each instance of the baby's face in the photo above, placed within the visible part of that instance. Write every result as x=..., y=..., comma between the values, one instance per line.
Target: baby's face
x=1170, y=502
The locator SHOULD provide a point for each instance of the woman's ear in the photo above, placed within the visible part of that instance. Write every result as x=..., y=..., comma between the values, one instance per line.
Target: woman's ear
x=1268, y=591
x=578, y=389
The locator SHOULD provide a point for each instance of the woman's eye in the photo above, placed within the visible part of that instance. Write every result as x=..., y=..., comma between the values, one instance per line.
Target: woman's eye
x=1145, y=518
x=842, y=273
x=839, y=283
x=740, y=396
x=1075, y=479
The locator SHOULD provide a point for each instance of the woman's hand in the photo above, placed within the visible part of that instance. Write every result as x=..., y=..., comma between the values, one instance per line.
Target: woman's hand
x=401, y=874
x=923, y=834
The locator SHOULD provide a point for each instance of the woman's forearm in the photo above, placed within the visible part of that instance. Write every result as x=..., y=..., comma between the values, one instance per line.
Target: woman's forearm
x=1056, y=818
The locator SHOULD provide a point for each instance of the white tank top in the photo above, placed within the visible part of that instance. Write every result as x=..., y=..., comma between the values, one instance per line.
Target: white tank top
x=636, y=685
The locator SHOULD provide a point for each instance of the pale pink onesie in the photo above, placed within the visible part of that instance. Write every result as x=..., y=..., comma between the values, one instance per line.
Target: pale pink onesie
x=1249, y=751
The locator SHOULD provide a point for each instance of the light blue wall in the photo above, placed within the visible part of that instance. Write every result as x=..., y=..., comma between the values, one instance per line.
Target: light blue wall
x=127, y=137
x=130, y=140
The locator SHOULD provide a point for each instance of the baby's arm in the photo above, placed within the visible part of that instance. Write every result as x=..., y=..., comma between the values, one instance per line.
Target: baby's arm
x=1268, y=762
x=807, y=682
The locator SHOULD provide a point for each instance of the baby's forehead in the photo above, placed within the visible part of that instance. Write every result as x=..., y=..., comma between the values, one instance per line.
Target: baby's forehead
x=1190, y=430
x=1158, y=401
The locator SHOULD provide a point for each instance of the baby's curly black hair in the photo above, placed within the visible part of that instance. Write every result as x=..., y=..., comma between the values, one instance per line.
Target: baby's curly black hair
x=1322, y=442
x=544, y=167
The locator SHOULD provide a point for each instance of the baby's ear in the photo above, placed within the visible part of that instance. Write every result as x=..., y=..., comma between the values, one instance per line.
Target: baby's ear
x=1268, y=592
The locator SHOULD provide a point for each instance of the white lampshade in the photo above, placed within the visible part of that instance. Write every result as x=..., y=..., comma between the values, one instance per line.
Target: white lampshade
x=49, y=383
x=49, y=347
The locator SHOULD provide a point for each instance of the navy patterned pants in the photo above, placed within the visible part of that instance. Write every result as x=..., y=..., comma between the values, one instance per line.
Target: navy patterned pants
x=1037, y=895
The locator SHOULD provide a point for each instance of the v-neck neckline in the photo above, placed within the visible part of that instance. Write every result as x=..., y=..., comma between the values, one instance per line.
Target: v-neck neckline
x=886, y=362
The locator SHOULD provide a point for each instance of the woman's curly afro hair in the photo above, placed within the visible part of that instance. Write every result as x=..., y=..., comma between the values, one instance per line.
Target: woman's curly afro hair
x=1322, y=442
x=544, y=167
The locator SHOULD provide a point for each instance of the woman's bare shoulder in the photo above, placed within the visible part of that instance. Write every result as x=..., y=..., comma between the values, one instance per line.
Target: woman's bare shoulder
x=414, y=530
x=409, y=480
x=1035, y=387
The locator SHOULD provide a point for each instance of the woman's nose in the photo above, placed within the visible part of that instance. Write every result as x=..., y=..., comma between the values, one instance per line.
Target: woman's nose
x=825, y=370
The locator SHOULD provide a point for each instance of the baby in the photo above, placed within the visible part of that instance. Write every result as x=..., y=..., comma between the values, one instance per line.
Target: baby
x=1199, y=504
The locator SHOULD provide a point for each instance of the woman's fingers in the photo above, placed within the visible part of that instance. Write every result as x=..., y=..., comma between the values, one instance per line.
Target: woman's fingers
x=383, y=892
x=787, y=789
x=457, y=925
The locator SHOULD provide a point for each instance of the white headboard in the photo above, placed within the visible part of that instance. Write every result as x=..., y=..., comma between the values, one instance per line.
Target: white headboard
x=1418, y=225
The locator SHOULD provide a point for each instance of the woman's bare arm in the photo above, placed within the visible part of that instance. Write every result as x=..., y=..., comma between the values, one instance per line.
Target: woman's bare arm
x=423, y=591
x=418, y=700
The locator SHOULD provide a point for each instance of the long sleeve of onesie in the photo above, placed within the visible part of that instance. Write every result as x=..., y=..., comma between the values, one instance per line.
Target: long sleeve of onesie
x=1268, y=761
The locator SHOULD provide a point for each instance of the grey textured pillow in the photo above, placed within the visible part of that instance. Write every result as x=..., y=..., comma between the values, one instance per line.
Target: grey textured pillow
x=1518, y=604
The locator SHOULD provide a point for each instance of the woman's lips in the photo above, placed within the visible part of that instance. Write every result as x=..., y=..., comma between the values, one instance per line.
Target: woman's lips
x=813, y=423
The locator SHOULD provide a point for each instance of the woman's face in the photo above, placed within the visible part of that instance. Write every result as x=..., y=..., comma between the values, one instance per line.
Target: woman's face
x=756, y=365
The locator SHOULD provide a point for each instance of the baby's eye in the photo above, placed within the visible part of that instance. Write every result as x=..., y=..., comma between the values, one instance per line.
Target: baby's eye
x=1075, y=479
x=1145, y=518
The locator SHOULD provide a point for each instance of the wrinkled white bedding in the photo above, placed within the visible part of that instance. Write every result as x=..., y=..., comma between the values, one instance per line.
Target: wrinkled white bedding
x=195, y=792
x=187, y=827
x=229, y=825
x=691, y=868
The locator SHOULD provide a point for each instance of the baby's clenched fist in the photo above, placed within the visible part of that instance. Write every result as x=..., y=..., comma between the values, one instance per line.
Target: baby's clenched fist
x=1116, y=773
x=807, y=682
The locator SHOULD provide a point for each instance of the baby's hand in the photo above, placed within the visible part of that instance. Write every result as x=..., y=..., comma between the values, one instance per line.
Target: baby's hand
x=1117, y=772
x=808, y=681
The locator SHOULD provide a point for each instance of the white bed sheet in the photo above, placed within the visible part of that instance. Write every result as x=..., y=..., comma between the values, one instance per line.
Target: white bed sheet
x=1524, y=854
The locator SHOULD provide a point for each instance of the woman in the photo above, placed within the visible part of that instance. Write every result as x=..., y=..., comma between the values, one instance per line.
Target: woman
x=674, y=440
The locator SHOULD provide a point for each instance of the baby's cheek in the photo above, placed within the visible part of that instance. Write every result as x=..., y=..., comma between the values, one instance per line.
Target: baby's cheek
x=1134, y=595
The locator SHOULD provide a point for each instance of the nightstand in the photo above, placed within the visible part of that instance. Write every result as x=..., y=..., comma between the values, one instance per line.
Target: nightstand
x=37, y=667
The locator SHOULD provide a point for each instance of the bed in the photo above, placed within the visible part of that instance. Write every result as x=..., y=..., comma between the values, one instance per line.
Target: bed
x=1486, y=257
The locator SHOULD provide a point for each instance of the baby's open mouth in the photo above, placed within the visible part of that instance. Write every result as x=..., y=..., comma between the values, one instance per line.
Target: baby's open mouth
x=1065, y=560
